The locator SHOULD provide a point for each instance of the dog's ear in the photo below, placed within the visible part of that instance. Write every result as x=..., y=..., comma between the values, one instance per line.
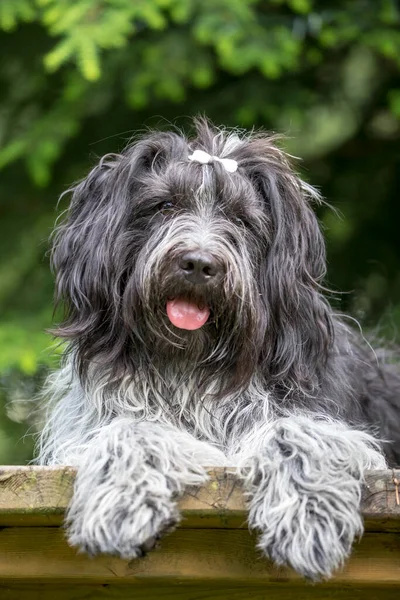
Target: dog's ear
x=80, y=252
x=93, y=247
x=299, y=332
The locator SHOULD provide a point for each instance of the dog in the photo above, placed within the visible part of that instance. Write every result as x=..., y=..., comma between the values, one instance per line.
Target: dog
x=198, y=335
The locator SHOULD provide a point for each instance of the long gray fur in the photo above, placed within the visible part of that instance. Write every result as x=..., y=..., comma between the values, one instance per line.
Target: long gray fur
x=274, y=382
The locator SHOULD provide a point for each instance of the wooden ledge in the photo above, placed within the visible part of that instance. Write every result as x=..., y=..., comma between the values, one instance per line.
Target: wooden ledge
x=211, y=556
x=38, y=496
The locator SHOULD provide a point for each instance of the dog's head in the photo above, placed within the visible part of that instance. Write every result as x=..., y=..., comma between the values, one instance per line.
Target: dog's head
x=202, y=253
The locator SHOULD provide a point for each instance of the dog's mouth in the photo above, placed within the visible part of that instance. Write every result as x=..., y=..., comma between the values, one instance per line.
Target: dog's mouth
x=187, y=314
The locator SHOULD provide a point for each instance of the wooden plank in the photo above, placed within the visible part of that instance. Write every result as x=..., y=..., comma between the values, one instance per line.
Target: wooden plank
x=212, y=556
x=34, y=495
x=37, y=496
x=217, y=556
x=196, y=591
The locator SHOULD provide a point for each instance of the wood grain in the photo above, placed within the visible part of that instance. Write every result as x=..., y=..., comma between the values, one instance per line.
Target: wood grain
x=216, y=556
x=194, y=591
x=37, y=496
x=211, y=556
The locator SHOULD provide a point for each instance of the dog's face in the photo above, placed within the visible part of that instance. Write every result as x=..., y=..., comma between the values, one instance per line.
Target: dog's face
x=198, y=238
x=165, y=260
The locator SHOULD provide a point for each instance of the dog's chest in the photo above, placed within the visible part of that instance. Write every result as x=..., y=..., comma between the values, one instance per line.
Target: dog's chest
x=195, y=408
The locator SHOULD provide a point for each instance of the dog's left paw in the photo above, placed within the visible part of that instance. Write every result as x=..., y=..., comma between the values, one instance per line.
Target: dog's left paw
x=310, y=523
x=304, y=489
x=311, y=538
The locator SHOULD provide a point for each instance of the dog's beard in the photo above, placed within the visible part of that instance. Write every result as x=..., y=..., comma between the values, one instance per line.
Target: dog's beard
x=225, y=329
x=196, y=336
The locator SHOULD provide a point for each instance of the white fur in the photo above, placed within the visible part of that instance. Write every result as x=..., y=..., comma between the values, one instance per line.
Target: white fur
x=128, y=482
x=303, y=474
x=274, y=384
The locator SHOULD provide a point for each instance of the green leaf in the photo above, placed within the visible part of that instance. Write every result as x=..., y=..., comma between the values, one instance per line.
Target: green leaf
x=394, y=102
x=301, y=6
x=88, y=57
x=14, y=11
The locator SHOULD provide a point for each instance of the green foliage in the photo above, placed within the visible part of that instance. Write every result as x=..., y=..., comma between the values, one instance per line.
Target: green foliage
x=14, y=11
x=160, y=49
x=16, y=409
x=75, y=74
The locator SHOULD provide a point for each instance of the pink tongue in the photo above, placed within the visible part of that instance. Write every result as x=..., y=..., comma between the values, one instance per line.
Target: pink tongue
x=186, y=315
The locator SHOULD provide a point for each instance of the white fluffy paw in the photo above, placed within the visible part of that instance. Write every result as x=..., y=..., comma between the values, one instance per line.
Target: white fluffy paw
x=305, y=490
x=123, y=526
x=314, y=540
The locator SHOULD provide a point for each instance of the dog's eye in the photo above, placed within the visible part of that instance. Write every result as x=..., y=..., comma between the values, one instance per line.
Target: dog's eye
x=166, y=206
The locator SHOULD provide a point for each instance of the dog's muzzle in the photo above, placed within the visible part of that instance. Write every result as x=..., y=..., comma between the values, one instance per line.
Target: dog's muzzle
x=199, y=267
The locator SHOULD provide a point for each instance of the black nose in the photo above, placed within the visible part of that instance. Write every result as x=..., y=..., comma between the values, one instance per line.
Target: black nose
x=199, y=267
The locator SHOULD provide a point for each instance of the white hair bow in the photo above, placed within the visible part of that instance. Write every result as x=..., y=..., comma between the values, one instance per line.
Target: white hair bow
x=204, y=158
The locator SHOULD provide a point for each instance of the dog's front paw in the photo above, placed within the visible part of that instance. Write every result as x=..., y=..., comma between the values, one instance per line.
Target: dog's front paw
x=312, y=537
x=309, y=525
x=123, y=525
x=304, y=490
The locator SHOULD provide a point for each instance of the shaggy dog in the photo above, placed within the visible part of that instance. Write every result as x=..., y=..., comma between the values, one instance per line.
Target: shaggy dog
x=190, y=270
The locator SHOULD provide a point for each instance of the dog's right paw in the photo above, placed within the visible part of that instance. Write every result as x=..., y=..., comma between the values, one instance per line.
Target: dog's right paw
x=121, y=526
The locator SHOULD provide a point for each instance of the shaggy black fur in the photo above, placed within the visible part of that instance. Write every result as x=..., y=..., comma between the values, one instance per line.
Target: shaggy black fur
x=117, y=262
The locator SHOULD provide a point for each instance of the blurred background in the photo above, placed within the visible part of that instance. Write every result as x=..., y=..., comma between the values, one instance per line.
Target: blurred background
x=77, y=79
